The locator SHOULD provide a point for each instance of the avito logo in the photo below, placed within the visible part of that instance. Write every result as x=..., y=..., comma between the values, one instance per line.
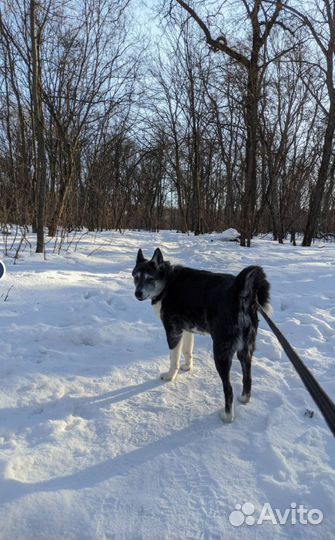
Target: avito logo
x=243, y=514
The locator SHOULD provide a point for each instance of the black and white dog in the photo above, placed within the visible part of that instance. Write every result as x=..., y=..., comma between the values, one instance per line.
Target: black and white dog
x=222, y=305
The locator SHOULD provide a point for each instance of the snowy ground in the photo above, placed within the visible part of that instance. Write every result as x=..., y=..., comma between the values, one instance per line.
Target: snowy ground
x=94, y=446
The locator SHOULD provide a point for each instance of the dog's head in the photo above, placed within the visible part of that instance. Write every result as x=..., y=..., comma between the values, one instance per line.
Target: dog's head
x=149, y=276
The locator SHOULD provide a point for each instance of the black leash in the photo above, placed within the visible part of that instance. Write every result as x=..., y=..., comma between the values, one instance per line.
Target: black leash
x=323, y=401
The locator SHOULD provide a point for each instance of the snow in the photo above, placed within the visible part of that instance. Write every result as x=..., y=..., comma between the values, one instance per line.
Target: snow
x=229, y=235
x=93, y=445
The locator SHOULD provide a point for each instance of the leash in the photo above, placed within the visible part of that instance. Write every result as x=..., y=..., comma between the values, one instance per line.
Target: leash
x=322, y=400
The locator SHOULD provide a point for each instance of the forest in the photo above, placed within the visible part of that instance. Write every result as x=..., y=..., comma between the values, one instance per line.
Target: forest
x=191, y=116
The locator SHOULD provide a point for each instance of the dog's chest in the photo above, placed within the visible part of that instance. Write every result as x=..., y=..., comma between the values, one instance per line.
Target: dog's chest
x=157, y=309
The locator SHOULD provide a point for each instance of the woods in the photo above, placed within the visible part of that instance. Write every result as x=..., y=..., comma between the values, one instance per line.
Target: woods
x=225, y=117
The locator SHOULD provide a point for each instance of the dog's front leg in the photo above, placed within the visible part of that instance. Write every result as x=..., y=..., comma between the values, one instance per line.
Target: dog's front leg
x=187, y=348
x=175, y=343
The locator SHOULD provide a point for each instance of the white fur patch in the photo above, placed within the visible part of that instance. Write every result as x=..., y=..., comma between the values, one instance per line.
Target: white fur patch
x=157, y=309
x=268, y=309
x=227, y=417
x=187, y=348
x=174, y=363
x=244, y=398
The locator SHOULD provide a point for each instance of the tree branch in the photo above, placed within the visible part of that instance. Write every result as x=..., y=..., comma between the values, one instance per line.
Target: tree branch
x=218, y=44
x=306, y=21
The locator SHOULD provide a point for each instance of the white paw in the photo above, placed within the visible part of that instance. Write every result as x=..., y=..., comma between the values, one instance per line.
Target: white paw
x=227, y=417
x=186, y=367
x=169, y=376
x=244, y=398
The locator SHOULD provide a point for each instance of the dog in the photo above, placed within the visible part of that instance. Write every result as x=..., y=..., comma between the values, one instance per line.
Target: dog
x=189, y=301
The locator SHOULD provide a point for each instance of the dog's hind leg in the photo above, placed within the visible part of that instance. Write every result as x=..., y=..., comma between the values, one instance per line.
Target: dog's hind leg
x=223, y=356
x=187, y=348
x=245, y=357
x=175, y=343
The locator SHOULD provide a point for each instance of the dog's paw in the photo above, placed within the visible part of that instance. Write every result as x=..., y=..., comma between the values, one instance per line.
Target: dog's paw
x=169, y=376
x=244, y=398
x=227, y=417
x=186, y=367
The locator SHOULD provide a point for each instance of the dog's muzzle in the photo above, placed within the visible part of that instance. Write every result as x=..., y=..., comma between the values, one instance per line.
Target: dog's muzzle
x=139, y=295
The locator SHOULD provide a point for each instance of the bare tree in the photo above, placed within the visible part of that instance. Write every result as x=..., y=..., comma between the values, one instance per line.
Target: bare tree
x=38, y=125
x=95, y=132
x=287, y=127
x=322, y=28
x=262, y=23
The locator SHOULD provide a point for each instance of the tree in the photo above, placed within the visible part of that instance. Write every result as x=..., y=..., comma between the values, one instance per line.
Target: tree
x=38, y=125
x=262, y=23
x=321, y=27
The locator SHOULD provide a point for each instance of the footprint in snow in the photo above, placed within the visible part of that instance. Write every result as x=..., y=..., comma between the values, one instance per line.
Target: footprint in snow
x=91, y=294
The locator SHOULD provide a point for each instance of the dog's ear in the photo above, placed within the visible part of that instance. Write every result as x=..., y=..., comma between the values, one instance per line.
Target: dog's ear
x=140, y=258
x=157, y=257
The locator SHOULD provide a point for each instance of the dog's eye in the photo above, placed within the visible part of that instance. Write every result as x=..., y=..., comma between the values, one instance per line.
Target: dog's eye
x=149, y=279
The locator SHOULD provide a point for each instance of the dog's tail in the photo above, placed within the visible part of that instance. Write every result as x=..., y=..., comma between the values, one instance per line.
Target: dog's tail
x=251, y=285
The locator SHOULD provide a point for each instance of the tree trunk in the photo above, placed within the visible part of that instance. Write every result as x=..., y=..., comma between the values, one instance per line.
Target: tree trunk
x=40, y=160
x=249, y=196
x=318, y=191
